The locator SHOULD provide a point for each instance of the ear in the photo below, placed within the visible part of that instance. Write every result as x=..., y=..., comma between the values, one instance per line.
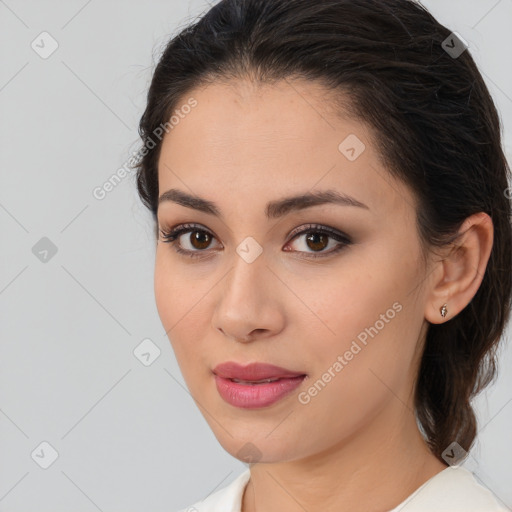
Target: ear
x=460, y=272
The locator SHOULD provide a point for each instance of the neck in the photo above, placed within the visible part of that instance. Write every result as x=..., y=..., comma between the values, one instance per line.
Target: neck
x=375, y=470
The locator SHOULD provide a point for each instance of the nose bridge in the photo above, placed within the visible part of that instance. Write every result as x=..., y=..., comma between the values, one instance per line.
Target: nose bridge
x=245, y=301
x=244, y=283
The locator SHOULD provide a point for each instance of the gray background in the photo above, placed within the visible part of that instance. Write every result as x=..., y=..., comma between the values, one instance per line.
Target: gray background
x=128, y=436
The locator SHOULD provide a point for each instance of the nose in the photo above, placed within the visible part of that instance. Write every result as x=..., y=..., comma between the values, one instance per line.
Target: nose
x=249, y=306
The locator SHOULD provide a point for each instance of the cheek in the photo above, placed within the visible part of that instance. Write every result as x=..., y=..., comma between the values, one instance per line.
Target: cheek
x=165, y=291
x=175, y=293
x=179, y=305
x=366, y=316
x=345, y=394
x=339, y=305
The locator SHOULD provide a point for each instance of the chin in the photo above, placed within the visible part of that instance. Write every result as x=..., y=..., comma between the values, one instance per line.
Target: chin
x=254, y=447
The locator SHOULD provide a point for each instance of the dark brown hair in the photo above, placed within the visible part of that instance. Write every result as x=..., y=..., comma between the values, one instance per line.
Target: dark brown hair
x=436, y=128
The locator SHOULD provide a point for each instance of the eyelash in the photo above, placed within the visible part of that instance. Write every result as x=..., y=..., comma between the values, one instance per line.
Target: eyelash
x=171, y=236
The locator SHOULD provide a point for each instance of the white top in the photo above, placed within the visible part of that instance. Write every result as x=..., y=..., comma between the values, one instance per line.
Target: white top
x=454, y=489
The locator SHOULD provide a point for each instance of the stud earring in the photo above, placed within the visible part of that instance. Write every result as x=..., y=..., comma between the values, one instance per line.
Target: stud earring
x=444, y=310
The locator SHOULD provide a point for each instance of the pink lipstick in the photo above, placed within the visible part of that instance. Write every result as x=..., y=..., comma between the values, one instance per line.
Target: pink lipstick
x=255, y=385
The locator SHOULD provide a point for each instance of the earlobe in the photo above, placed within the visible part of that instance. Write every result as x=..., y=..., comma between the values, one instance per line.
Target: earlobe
x=463, y=269
x=438, y=312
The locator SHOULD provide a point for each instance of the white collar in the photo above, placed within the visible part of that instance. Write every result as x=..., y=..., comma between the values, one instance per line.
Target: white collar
x=453, y=489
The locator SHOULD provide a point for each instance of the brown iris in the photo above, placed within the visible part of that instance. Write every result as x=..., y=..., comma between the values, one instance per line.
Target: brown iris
x=317, y=241
x=200, y=239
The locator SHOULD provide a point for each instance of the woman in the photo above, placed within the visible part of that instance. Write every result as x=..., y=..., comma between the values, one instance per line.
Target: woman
x=333, y=265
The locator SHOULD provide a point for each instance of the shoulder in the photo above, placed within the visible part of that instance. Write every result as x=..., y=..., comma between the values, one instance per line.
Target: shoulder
x=227, y=499
x=455, y=489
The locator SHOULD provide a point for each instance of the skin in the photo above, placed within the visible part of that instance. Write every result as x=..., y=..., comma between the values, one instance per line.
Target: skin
x=355, y=446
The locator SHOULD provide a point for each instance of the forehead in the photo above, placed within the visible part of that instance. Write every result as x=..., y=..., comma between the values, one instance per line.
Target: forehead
x=265, y=140
x=244, y=115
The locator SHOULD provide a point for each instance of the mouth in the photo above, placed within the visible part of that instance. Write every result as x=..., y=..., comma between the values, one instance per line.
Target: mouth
x=253, y=372
x=252, y=382
x=256, y=385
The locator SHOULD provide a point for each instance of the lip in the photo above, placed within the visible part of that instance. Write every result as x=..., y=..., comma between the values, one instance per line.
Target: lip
x=253, y=371
x=250, y=394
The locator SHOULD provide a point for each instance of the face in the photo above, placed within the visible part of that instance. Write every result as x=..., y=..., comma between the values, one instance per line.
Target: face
x=331, y=291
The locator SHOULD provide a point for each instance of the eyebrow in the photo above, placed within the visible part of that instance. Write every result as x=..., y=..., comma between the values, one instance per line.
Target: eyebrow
x=274, y=209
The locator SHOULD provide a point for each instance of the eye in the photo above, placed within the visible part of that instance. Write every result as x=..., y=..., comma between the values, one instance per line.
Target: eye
x=195, y=243
x=193, y=240
x=317, y=238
